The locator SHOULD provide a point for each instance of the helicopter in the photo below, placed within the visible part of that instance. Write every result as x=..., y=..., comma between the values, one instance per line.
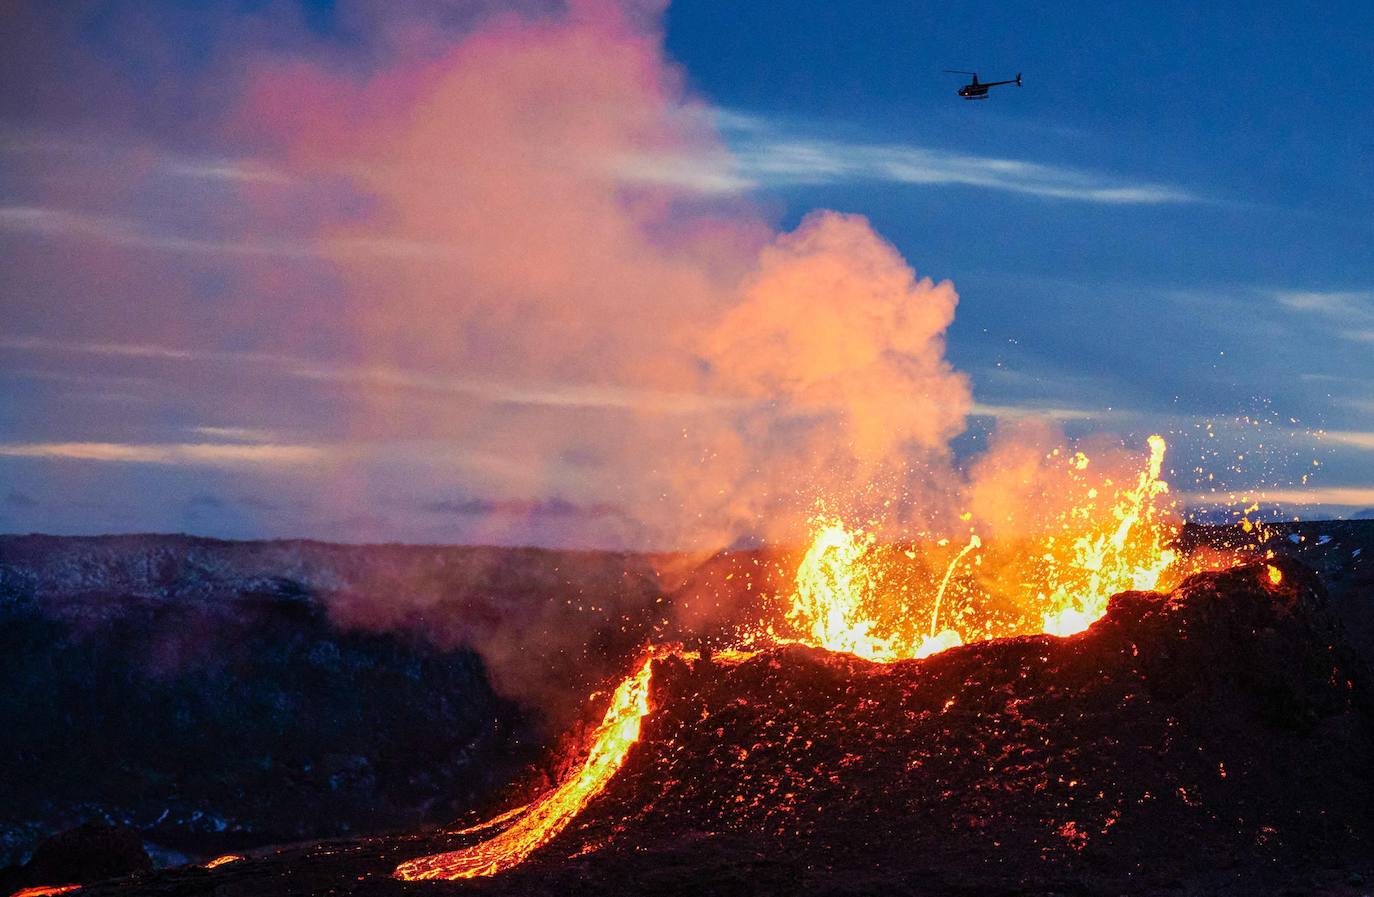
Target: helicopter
x=975, y=91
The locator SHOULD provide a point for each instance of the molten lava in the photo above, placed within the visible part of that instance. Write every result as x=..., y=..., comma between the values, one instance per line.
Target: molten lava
x=832, y=605
x=550, y=814
x=847, y=597
x=223, y=860
x=1131, y=555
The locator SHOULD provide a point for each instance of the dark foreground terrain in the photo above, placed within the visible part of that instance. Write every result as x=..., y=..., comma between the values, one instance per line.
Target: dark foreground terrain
x=218, y=696
x=1216, y=740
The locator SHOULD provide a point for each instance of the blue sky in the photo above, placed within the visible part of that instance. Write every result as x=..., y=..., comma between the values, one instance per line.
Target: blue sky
x=1255, y=117
x=1169, y=228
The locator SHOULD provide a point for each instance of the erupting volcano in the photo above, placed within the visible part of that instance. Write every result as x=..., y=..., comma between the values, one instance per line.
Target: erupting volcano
x=850, y=604
x=516, y=447
x=904, y=712
x=1212, y=732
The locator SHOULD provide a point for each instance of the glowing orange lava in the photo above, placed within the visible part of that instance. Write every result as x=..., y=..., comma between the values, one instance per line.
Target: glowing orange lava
x=45, y=890
x=550, y=814
x=223, y=860
x=831, y=607
x=1132, y=554
x=1115, y=540
x=831, y=584
x=493, y=822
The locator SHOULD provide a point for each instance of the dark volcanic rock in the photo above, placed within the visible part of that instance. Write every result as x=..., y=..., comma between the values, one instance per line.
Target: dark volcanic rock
x=243, y=720
x=1217, y=739
x=1340, y=551
x=89, y=853
x=225, y=695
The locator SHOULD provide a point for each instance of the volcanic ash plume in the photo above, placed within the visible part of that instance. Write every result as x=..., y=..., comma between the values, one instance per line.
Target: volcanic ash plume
x=569, y=317
x=535, y=219
x=839, y=349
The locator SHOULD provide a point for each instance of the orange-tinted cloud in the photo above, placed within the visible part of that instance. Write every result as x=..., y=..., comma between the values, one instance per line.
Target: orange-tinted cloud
x=817, y=355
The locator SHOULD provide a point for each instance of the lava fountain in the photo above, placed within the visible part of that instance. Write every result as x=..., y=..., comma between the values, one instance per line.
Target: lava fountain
x=849, y=595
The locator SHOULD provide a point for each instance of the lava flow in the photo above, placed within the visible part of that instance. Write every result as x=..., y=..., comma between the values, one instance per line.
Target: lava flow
x=847, y=599
x=224, y=860
x=550, y=814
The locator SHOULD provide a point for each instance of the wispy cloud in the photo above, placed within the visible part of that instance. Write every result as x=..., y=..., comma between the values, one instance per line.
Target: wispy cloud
x=1352, y=438
x=1350, y=311
x=125, y=232
x=102, y=150
x=198, y=454
x=1014, y=412
x=117, y=350
x=59, y=223
x=1340, y=302
x=235, y=434
x=1331, y=496
x=245, y=171
x=555, y=395
x=715, y=173
x=764, y=156
x=831, y=162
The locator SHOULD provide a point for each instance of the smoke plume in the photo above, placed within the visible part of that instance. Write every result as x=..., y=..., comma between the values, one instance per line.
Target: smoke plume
x=508, y=246
x=609, y=336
